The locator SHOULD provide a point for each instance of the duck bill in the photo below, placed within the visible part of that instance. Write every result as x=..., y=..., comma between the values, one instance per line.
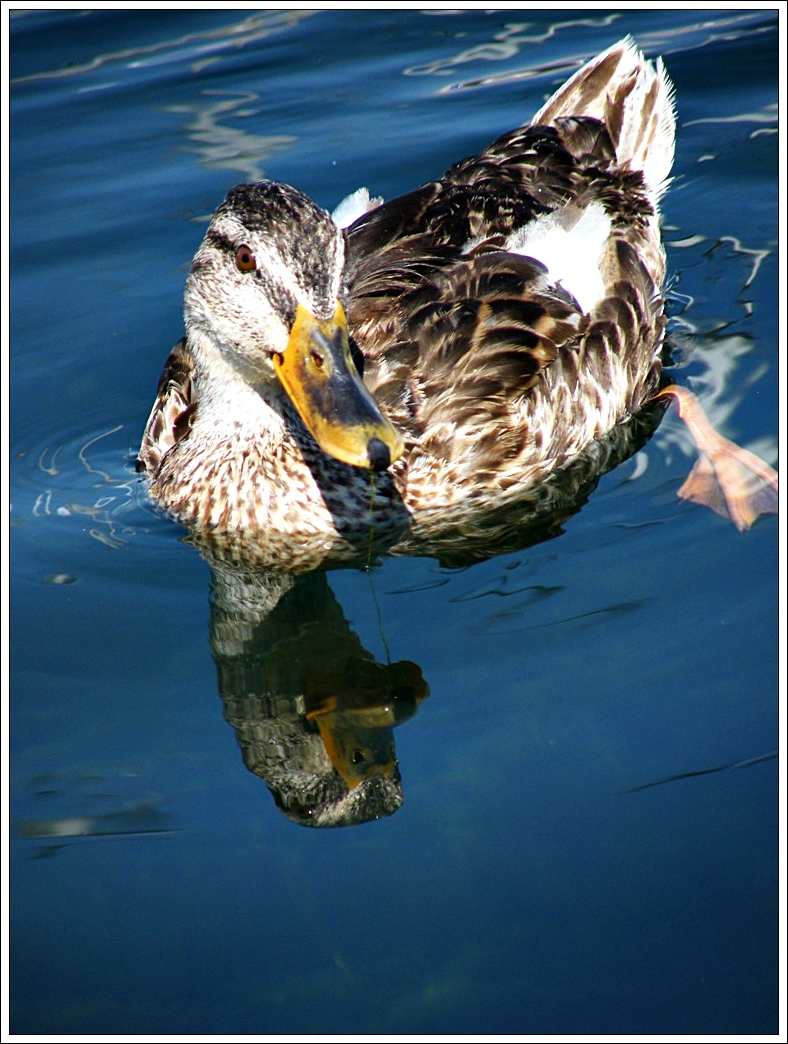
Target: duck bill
x=359, y=744
x=318, y=374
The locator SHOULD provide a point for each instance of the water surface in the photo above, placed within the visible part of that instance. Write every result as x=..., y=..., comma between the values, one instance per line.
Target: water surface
x=522, y=886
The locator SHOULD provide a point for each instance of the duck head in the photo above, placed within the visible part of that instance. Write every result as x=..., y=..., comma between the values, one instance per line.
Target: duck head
x=266, y=291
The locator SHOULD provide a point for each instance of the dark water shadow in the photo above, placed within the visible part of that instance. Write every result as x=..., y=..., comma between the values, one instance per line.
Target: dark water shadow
x=314, y=712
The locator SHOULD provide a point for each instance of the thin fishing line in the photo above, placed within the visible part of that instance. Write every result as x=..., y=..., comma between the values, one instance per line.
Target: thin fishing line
x=371, y=520
x=368, y=569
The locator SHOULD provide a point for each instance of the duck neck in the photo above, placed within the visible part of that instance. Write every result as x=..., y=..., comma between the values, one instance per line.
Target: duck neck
x=232, y=395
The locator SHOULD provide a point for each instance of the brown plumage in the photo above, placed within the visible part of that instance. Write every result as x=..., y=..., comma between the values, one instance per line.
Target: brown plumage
x=504, y=318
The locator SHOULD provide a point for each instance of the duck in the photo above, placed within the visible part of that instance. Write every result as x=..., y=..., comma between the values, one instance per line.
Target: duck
x=424, y=360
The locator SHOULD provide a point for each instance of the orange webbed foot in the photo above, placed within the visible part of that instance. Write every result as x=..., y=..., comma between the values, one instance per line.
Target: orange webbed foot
x=727, y=478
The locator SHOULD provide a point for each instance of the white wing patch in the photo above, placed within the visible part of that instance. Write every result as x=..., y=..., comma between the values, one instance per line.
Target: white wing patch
x=353, y=207
x=570, y=243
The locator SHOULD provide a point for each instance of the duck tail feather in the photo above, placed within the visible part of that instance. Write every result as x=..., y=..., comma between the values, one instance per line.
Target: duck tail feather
x=635, y=99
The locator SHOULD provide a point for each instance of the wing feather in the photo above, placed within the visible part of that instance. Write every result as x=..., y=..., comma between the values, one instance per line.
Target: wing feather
x=173, y=411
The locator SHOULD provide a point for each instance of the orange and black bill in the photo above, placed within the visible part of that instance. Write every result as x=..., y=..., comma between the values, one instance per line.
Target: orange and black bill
x=318, y=374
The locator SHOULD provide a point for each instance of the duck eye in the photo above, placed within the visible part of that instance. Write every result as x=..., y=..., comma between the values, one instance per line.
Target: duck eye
x=245, y=259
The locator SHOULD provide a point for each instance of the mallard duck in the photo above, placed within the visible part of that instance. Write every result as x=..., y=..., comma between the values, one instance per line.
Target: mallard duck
x=434, y=355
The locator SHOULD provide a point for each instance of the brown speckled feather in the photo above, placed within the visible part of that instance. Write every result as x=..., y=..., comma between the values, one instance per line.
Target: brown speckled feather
x=477, y=341
x=496, y=368
x=174, y=409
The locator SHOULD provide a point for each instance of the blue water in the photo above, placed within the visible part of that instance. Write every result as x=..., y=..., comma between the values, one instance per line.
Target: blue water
x=522, y=887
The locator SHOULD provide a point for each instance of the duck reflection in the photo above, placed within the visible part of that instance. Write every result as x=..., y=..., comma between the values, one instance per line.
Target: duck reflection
x=313, y=712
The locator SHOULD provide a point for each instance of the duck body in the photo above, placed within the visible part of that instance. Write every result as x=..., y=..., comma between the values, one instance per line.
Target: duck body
x=442, y=353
